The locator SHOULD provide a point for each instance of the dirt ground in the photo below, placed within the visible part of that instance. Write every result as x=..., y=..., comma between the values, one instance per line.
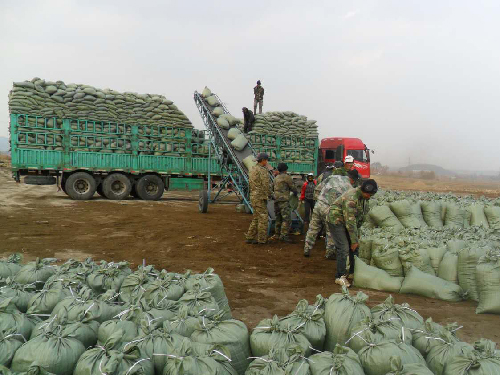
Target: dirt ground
x=259, y=280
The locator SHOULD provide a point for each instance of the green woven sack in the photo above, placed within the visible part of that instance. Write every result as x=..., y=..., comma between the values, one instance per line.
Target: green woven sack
x=58, y=353
x=374, y=330
x=129, y=331
x=44, y=301
x=418, y=258
x=488, y=283
x=233, y=334
x=342, y=312
x=209, y=281
x=444, y=351
x=455, y=216
x=166, y=286
x=36, y=272
x=448, y=267
x=206, y=92
x=478, y=217
x=10, y=266
x=340, y=361
x=199, y=302
x=20, y=294
x=9, y=343
x=218, y=111
x=271, y=333
x=212, y=101
x=232, y=133
x=436, y=255
x=397, y=368
x=467, y=262
x=182, y=323
x=375, y=357
x=492, y=214
x=369, y=277
x=240, y=142
x=223, y=123
x=288, y=360
x=483, y=360
x=405, y=214
x=385, y=218
x=389, y=310
x=11, y=320
x=135, y=284
x=423, y=284
x=310, y=321
x=432, y=214
x=428, y=335
x=387, y=259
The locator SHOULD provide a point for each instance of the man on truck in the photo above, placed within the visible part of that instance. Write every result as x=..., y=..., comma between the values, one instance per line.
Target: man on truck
x=258, y=92
x=332, y=188
x=283, y=185
x=345, y=217
x=248, y=120
x=259, y=194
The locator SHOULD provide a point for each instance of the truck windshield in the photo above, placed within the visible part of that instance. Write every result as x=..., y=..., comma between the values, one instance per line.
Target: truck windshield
x=358, y=155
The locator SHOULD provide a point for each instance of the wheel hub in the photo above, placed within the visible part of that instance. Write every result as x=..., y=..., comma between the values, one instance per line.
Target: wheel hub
x=81, y=186
x=151, y=188
x=118, y=187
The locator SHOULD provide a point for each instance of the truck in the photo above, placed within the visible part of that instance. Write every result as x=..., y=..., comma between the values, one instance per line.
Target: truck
x=118, y=159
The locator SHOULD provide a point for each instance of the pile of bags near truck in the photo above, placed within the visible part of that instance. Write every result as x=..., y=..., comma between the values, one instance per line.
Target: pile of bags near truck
x=87, y=318
x=107, y=116
x=439, y=246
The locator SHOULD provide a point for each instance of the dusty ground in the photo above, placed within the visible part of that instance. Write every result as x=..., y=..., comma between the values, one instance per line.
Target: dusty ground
x=171, y=234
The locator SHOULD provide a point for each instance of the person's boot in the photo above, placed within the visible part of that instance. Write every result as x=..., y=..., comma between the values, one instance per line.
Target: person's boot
x=252, y=242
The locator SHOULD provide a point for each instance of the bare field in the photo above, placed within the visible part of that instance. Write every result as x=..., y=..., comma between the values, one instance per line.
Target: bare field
x=260, y=280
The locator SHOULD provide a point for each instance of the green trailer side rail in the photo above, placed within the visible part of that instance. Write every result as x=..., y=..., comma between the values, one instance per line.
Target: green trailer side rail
x=41, y=143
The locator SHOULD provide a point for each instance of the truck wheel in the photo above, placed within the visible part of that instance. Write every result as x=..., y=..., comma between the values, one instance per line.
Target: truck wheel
x=99, y=190
x=80, y=186
x=203, y=202
x=116, y=186
x=150, y=187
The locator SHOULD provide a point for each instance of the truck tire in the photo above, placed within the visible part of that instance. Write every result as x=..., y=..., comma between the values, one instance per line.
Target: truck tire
x=203, y=201
x=40, y=180
x=80, y=186
x=150, y=187
x=116, y=186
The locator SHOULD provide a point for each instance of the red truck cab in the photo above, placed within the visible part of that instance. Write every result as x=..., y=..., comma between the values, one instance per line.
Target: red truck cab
x=333, y=149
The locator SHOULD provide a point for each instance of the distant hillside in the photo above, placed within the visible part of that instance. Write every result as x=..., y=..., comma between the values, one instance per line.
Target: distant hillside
x=440, y=171
x=4, y=144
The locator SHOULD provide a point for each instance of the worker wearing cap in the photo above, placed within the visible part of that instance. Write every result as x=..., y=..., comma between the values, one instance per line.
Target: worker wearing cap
x=259, y=193
x=307, y=196
x=283, y=186
x=332, y=188
x=345, y=217
x=248, y=120
x=258, y=92
x=348, y=164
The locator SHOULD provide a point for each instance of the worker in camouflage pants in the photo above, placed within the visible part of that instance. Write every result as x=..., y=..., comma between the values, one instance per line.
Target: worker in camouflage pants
x=332, y=188
x=283, y=185
x=260, y=190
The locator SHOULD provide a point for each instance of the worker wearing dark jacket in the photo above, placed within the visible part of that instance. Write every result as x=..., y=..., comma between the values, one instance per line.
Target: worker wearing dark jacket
x=248, y=120
x=307, y=195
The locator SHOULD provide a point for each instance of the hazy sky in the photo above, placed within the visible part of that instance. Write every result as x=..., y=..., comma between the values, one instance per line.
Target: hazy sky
x=413, y=79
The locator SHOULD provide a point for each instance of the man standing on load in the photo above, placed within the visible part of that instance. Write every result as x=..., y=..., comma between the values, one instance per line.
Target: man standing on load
x=260, y=190
x=307, y=196
x=344, y=219
x=258, y=92
x=348, y=165
x=332, y=188
x=248, y=120
x=283, y=185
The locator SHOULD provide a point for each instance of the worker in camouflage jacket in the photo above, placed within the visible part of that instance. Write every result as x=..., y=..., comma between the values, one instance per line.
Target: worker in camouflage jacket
x=345, y=217
x=260, y=191
x=331, y=188
x=283, y=185
x=258, y=92
x=322, y=177
x=348, y=165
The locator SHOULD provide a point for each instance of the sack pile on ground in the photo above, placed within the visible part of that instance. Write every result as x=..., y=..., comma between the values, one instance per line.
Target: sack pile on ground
x=438, y=246
x=100, y=119
x=94, y=318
